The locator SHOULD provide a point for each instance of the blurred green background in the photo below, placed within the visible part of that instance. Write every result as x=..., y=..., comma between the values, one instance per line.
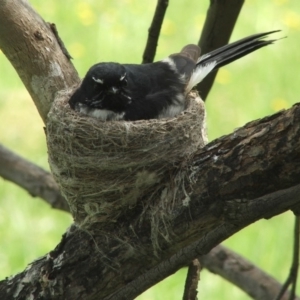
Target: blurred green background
x=116, y=30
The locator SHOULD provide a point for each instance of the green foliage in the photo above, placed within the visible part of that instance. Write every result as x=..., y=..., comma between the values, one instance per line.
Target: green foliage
x=251, y=88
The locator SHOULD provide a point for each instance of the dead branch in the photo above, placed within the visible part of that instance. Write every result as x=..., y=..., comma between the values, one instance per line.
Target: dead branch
x=292, y=277
x=154, y=31
x=191, y=282
x=242, y=273
x=32, y=178
x=219, y=23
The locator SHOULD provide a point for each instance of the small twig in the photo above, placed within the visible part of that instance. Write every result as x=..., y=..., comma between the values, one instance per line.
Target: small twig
x=154, y=31
x=32, y=178
x=295, y=257
x=292, y=278
x=220, y=20
x=60, y=41
x=191, y=283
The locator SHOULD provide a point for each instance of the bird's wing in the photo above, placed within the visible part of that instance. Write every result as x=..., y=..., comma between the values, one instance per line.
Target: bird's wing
x=185, y=61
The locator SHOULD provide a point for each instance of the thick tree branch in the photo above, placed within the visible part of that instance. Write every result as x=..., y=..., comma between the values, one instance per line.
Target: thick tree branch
x=70, y=265
x=220, y=20
x=242, y=273
x=32, y=178
x=231, y=183
x=30, y=45
x=154, y=31
x=220, y=260
x=270, y=204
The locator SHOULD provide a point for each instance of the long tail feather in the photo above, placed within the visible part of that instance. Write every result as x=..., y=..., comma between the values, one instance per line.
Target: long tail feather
x=236, y=50
x=227, y=54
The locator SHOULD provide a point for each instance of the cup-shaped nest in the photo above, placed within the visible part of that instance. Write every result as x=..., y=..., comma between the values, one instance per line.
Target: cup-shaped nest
x=103, y=166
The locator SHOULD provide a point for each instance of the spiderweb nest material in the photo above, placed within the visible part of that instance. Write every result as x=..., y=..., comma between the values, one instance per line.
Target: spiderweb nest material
x=104, y=167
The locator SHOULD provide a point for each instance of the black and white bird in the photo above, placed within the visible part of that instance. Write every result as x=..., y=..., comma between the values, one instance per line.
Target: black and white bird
x=112, y=91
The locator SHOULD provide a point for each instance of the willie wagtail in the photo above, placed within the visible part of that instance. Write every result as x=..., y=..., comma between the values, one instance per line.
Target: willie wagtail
x=113, y=91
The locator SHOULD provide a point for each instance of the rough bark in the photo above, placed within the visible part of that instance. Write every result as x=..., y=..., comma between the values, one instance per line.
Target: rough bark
x=235, y=180
x=268, y=204
x=219, y=260
x=32, y=48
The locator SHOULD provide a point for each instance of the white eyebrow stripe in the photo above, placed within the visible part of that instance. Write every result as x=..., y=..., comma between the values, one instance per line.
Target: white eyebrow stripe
x=98, y=80
x=122, y=77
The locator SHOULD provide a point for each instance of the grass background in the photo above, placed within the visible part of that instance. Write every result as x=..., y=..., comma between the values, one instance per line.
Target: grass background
x=116, y=30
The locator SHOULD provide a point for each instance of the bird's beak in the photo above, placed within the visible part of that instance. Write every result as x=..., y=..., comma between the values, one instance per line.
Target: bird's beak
x=113, y=90
x=77, y=97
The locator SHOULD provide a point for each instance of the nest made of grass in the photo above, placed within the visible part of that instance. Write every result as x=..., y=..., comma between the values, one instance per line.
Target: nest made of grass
x=103, y=166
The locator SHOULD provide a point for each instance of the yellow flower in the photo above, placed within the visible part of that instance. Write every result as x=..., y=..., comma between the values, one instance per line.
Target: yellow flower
x=77, y=50
x=292, y=20
x=85, y=13
x=279, y=103
x=168, y=27
x=280, y=2
x=223, y=77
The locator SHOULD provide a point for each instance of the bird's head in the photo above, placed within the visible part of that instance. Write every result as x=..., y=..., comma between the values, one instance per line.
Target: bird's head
x=103, y=87
x=108, y=77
